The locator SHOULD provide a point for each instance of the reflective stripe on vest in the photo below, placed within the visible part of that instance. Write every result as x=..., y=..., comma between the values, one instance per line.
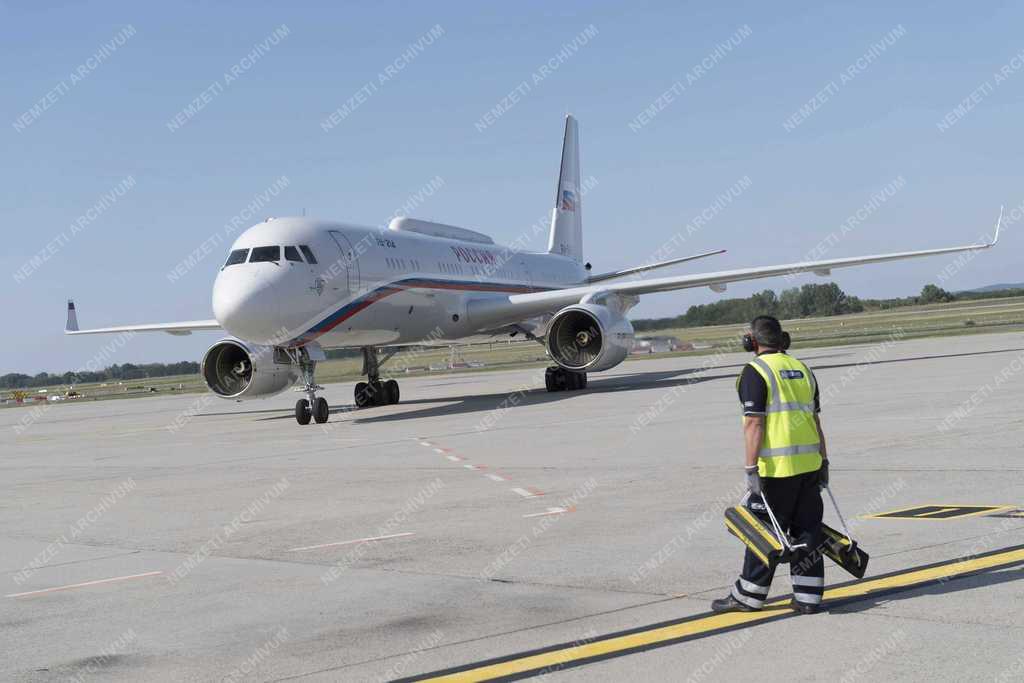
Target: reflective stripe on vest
x=788, y=450
x=791, y=444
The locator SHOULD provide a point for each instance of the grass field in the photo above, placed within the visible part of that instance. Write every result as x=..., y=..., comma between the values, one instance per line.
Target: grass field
x=935, y=320
x=956, y=318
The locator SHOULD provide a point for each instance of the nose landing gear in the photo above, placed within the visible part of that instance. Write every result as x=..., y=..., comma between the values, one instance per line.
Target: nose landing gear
x=314, y=406
x=375, y=392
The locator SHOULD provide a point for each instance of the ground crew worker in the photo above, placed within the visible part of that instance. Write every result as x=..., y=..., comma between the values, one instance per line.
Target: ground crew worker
x=786, y=463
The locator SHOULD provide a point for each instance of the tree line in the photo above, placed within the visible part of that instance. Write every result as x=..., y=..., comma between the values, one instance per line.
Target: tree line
x=114, y=373
x=811, y=300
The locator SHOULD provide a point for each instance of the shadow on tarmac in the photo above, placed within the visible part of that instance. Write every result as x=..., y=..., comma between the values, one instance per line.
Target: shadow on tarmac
x=537, y=395
x=955, y=584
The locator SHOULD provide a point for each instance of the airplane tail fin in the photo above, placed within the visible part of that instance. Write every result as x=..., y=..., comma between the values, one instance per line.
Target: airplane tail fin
x=72, y=323
x=566, y=218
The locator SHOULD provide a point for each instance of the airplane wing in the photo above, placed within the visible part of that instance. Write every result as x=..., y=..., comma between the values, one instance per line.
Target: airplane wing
x=650, y=266
x=507, y=309
x=178, y=328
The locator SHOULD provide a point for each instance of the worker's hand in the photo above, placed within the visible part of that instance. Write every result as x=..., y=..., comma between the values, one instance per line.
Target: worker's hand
x=753, y=480
x=823, y=474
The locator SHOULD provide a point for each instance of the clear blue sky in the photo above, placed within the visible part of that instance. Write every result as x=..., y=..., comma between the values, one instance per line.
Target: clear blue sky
x=419, y=124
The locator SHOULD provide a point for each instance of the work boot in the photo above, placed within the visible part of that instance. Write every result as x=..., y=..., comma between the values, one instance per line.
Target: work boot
x=730, y=604
x=804, y=607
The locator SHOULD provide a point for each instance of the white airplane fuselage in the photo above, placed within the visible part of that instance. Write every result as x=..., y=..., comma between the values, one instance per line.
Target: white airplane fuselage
x=371, y=287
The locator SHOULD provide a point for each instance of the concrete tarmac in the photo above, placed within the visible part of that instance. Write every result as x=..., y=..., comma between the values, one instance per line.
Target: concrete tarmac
x=188, y=538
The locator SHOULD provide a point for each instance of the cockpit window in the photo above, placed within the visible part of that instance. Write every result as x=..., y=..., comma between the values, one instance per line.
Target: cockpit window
x=262, y=254
x=308, y=252
x=292, y=254
x=237, y=256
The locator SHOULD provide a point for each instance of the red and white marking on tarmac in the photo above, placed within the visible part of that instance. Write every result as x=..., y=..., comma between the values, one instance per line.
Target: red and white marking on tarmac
x=525, y=492
x=370, y=539
x=552, y=511
x=82, y=585
x=528, y=492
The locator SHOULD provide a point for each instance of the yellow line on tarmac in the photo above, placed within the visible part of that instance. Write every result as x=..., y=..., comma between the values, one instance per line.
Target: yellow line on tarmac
x=557, y=658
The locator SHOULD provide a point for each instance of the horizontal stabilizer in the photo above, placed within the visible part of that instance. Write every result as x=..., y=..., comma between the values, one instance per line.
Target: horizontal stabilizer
x=179, y=328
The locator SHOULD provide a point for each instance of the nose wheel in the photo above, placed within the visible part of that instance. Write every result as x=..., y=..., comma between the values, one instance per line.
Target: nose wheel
x=313, y=407
x=320, y=411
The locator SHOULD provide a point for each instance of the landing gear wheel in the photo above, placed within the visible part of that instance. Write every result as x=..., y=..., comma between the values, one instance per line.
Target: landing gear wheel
x=391, y=392
x=379, y=396
x=549, y=380
x=559, y=379
x=362, y=395
x=321, y=411
x=302, y=411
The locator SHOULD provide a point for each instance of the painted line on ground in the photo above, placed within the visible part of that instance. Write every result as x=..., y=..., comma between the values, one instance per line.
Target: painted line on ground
x=940, y=511
x=454, y=458
x=527, y=493
x=566, y=655
x=83, y=584
x=551, y=511
x=495, y=477
x=370, y=539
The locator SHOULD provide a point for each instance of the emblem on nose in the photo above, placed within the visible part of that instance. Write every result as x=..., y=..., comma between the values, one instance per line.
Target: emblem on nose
x=318, y=286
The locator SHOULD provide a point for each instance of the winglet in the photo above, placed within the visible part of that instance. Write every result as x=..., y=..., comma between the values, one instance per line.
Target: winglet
x=72, y=324
x=999, y=224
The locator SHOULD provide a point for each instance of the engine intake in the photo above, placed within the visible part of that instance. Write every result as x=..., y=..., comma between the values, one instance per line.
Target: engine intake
x=589, y=337
x=233, y=369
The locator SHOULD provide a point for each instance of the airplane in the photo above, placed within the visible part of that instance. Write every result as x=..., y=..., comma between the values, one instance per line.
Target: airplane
x=292, y=287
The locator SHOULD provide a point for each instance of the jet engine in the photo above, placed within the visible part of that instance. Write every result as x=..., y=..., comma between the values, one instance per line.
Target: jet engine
x=234, y=369
x=589, y=338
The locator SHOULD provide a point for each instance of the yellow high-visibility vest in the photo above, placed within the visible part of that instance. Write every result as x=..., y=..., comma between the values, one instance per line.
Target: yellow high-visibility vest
x=791, y=443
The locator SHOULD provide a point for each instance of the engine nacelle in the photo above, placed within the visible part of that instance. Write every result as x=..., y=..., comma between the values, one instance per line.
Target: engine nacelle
x=589, y=338
x=234, y=369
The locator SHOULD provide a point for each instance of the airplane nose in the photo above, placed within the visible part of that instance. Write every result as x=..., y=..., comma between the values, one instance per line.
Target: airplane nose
x=245, y=305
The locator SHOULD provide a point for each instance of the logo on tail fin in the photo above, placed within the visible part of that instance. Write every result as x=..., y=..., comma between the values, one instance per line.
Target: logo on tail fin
x=568, y=201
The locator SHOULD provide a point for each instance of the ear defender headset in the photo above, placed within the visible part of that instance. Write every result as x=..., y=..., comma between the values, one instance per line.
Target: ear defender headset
x=748, y=342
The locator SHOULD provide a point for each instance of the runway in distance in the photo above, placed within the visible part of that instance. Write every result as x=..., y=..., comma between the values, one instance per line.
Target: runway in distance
x=292, y=287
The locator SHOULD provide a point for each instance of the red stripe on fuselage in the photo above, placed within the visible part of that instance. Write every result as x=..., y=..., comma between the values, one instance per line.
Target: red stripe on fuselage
x=397, y=287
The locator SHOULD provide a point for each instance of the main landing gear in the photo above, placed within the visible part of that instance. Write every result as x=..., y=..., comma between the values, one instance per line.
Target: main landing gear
x=375, y=392
x=314, y=406
x=560, y=379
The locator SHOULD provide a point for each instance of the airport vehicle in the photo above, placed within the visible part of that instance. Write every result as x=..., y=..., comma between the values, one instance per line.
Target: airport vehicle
x=292, y=287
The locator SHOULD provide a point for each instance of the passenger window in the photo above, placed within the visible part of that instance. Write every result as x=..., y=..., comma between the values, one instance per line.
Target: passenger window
x=264, y=254
x=292, y=254
x=237, y=256
x=308, y=254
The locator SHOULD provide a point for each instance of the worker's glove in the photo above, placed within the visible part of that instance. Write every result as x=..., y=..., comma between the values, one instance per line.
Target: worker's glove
x=753, y=480
x=823, y=474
